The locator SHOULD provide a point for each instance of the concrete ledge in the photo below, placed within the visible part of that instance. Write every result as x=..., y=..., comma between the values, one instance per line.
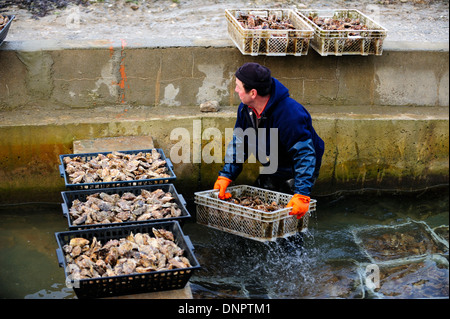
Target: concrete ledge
x=37, y=116
x=415, y=46
x=46, y=45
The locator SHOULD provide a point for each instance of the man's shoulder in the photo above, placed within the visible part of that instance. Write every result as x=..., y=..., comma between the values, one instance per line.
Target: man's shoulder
x=290, y=105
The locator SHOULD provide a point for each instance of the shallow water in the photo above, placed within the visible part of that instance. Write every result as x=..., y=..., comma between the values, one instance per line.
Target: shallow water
x=328, y=261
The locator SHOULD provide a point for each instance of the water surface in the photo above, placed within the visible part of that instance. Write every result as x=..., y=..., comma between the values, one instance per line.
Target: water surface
x=328, y=261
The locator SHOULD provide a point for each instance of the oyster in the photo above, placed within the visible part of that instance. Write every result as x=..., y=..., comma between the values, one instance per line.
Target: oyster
x=77, y=241
x=136, y=253
x=161, y=233
x=3, y=21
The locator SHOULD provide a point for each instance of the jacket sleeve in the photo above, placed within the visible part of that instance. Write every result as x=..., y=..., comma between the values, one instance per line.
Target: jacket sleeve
x=304, y=159
x=297, y=135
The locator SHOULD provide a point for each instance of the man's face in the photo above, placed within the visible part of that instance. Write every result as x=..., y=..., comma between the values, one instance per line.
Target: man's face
x=245, y=97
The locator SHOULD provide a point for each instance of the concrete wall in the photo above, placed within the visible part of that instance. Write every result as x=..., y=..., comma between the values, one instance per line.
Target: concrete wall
x=107, y=73
x=384, y=118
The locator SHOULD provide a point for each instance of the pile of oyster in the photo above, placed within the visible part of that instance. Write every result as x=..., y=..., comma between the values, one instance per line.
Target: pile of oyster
x=400, y=245
x=424, y=279
x=338, y=24
x=272, y=22
x=254, y=202
x=115, y=166
x=3, y=21
x=139, y=253
x=102, y=208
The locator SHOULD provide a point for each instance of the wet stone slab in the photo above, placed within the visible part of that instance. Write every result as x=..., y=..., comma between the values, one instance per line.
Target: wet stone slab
x=424, y=278
x=409, y=240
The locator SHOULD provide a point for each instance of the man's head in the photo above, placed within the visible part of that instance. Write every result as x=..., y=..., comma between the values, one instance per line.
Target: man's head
x=255, y=76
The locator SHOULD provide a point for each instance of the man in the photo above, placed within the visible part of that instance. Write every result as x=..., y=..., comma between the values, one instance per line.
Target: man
x=266, y=105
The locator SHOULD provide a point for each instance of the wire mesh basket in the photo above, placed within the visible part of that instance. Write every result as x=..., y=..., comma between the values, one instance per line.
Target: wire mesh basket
x=81, y=197
x=269, y=41
x=133, y=283
x=119, y=182
x=356, y=33
x=248, y=222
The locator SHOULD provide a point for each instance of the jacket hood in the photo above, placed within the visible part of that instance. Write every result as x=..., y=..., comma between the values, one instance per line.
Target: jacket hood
x=279, y=92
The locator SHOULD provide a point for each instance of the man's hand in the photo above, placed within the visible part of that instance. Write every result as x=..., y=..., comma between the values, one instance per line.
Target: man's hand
x=221, y=184
x=299, y=204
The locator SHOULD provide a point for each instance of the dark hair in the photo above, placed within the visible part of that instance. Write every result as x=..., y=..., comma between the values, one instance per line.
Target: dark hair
x=261, y=91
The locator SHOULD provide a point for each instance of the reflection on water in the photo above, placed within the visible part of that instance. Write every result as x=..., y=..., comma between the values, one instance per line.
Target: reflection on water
x=27, y=251
x=348, y=233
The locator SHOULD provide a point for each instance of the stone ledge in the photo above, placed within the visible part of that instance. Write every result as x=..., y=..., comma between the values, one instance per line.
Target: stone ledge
x=37, y=45
x=119, y=113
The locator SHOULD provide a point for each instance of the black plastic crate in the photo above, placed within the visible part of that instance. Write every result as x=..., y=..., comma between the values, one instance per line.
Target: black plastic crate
x=132, y=283
x=89, y=156
x=70, y=196
x=4, y=31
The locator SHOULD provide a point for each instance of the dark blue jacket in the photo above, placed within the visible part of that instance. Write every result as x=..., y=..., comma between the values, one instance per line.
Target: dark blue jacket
x=300, y=149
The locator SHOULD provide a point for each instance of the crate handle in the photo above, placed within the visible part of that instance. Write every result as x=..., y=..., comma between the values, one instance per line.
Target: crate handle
x=61, y=170
x=60, y=256
x=169, y=163
x=64, y=210
x=215, y=193
x=182, y=200
x=189, y=242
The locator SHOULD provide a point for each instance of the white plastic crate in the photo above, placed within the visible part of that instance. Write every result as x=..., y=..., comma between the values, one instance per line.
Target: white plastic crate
x=248, y=222
x=347, y=41
x=268, y=41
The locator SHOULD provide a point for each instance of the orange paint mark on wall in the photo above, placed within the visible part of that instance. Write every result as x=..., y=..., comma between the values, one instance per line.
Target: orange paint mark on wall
x=123, y=75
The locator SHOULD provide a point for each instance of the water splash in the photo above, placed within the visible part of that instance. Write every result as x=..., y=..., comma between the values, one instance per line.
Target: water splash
x=281, y=268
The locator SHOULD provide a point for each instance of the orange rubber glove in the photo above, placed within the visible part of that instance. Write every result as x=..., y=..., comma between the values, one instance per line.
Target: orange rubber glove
x=221, y=184
x=299, y=204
